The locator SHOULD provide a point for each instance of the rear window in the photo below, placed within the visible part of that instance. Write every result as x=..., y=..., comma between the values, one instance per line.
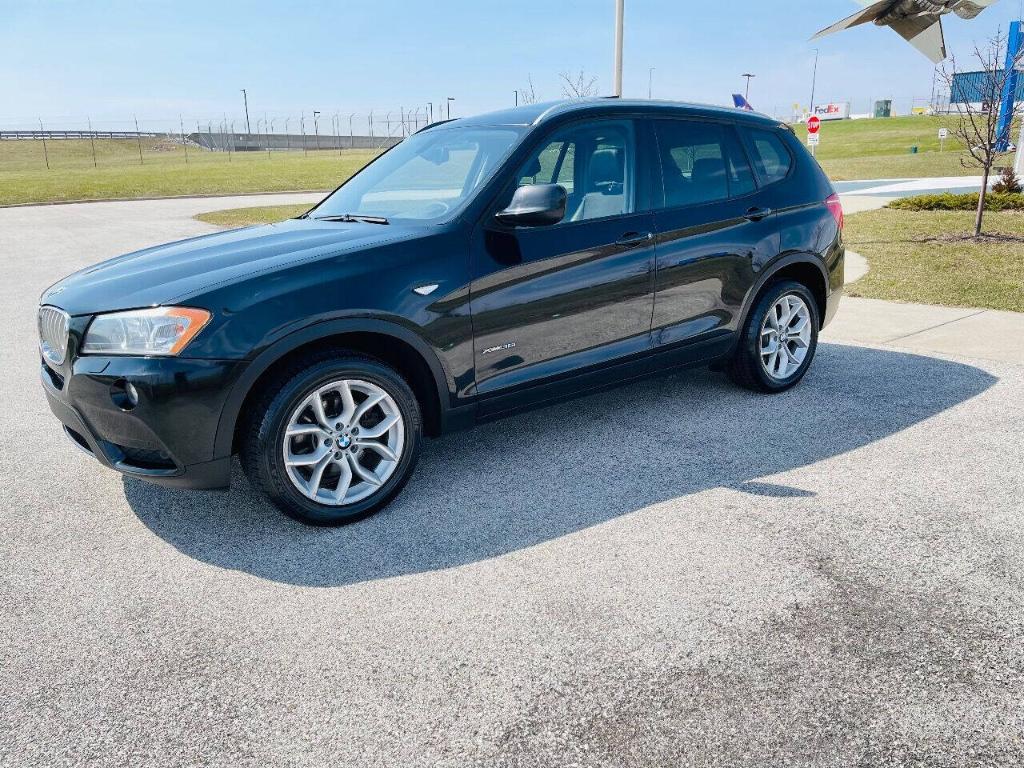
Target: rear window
x=771, y=157
x=701, y=162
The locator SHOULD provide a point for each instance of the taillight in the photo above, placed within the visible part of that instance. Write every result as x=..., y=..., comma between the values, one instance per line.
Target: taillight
x=835, y=207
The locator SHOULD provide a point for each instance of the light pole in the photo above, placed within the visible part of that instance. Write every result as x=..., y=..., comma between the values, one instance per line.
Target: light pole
x=430, y=106
x=617, y=75
x=650, y=79
x=747, y=93
x=516, y=92
x=351, y=134
x=450, y=100
x=245, y=100
x=814, y=80
x=316, y=128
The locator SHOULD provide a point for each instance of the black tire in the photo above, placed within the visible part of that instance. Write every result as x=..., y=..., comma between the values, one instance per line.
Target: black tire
x=745, y=367
x=263, y=437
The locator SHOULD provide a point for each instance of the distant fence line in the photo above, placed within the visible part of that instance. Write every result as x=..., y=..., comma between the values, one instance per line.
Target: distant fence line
x=58, y=135
x=219, y=141
x=259, y=142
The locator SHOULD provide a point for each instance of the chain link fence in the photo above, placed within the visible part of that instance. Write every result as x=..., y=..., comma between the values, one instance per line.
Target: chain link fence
x=83, y=143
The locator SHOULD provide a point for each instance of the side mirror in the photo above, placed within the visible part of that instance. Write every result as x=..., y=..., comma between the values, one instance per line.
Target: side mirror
x=535, y=205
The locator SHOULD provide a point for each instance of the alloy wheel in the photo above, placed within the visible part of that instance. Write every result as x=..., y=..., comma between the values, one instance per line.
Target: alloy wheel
x=785, y=337
x=343, y=442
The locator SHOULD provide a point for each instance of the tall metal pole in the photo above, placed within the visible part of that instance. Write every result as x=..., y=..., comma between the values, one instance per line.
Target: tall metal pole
x=138, y=138
x=316, y=128
x=245, y=100
x=351, y=134
x=46, y=154
x=619, y=14
x=450, y=100
x=650, y=80
x=746, y=95
x=92, y=141
x=184, y=143
x=814, y=80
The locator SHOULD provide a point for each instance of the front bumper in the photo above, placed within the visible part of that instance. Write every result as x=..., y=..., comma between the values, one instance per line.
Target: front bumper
x=168, y=436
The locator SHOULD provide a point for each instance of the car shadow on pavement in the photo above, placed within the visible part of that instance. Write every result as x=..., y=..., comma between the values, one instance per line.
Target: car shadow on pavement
x=528, y=479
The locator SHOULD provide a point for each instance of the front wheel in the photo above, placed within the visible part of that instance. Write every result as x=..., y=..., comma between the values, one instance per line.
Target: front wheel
x=335, y=440
x=779, y=339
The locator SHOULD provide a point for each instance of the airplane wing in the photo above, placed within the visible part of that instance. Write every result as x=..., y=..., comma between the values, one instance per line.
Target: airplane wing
x=870, y=13
x=925, y=34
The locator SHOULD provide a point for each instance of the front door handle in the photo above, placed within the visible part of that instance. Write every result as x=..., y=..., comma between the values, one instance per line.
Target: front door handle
x=756, y=214
x=633, y=239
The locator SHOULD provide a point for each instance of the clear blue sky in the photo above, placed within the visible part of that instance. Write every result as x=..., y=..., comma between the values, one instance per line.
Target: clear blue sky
x=66, y=60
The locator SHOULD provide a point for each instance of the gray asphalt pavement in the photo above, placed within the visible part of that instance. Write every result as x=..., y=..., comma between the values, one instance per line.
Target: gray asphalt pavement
x=673, y=573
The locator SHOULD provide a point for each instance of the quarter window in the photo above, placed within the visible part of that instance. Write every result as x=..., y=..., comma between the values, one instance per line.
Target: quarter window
x=770, y=155
x=701, y=163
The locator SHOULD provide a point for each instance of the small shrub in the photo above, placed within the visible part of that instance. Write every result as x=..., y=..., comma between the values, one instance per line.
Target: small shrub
x=1008, y=183
x=994, y=201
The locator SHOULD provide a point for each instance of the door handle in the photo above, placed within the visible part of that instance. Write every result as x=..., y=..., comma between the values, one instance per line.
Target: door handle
x=632, y=239
x=756, y=214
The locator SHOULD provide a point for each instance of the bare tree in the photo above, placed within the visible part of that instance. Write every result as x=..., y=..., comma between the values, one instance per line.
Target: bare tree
x=578, y=86
x=977, y=124
x=528, y=95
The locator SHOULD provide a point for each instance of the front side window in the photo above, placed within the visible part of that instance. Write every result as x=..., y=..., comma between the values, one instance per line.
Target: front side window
x=701, y=163
x=426, y=177
x=771, y=156
x=594, y=162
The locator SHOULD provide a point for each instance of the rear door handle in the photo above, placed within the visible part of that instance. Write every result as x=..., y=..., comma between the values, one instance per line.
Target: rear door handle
x=756, y=214
x=633, y=239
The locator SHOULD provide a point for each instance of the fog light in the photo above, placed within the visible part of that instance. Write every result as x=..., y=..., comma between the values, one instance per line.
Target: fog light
x=124, y=394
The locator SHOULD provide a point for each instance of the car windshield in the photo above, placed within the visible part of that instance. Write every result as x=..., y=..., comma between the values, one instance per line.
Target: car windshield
x=425, y=178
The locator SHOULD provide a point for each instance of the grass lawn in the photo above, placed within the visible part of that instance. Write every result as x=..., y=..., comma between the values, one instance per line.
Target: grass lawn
x=880, y=149
x=24, y=177
x=907, y=266
x=244, y=217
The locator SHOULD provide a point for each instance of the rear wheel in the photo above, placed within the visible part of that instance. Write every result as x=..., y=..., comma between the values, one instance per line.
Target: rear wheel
x=335, y=440
x=779, y=339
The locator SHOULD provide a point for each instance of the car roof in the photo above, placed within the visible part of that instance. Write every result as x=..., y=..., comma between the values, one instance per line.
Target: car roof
x=537, y=114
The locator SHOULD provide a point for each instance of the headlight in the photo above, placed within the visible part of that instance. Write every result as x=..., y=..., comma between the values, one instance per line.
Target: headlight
x=157, y=331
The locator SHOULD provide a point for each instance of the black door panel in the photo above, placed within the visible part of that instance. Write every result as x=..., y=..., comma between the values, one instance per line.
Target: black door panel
x=707, y=257
x=549, y=300
x=714, y=228
x=577, y=288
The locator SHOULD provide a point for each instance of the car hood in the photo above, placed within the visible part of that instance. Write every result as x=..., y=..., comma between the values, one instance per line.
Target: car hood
x=172, y=273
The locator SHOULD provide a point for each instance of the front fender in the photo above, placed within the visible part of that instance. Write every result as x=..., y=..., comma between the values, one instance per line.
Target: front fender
x=443, y=380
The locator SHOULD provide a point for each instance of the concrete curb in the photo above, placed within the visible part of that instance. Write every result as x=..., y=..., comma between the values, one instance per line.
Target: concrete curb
x=856, y=267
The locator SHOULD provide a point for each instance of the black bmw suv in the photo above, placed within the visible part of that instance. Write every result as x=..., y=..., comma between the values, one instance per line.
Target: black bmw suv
x=482, y=266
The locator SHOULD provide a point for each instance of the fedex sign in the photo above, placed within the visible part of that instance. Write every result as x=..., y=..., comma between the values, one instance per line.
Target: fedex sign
x=836, y=111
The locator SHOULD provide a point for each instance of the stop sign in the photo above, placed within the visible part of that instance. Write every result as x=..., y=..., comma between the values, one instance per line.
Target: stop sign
x=813, y=124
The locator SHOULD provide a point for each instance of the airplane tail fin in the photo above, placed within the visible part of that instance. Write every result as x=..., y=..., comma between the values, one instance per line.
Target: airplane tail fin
x=930, y=40
x=741, y=103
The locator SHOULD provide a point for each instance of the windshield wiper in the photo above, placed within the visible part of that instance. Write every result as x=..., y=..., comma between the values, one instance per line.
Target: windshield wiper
x=348, y=217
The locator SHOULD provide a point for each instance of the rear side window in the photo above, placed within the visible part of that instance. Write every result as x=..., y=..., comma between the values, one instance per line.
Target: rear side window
x=701, y=163
x=770, y=155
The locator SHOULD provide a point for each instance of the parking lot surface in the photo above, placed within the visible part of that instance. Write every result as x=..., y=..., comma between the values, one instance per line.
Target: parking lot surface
x=675, y=572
